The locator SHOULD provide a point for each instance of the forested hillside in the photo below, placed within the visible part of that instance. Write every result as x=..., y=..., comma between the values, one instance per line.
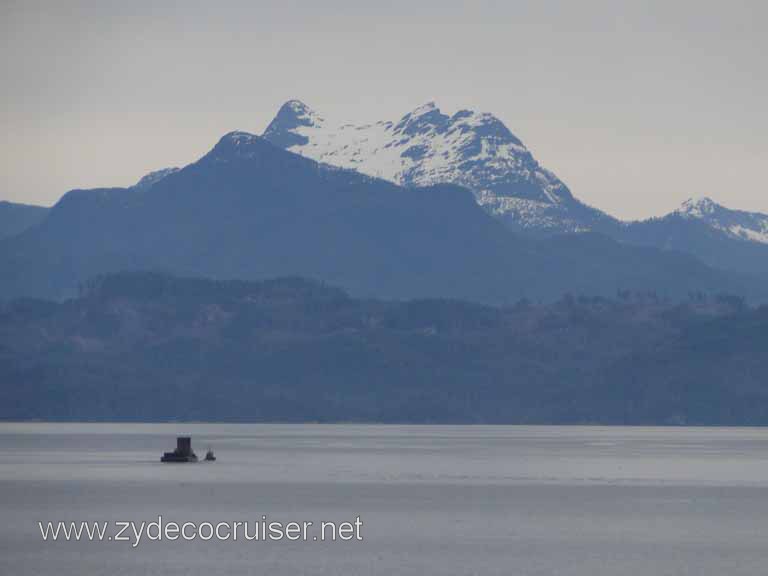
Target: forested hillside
x=145, y=346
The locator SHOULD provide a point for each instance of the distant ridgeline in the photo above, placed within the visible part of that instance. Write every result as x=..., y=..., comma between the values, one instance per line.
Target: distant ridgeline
x=248, y=209
x=15, y=218
x=476, y=150
x=146, y=346
x=428, y=205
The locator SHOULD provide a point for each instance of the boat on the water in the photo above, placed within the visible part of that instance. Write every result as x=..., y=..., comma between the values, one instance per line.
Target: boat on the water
x=183, y=452
x=209, y=457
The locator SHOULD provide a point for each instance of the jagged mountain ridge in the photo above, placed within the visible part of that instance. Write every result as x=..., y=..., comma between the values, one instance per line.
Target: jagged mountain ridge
x=722, y=238
x=426, y=147
x=736, y=224
x=251, y=210
x=477, y=151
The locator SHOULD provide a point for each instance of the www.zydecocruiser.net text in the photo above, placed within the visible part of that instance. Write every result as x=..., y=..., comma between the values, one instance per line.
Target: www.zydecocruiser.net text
x=262, y=530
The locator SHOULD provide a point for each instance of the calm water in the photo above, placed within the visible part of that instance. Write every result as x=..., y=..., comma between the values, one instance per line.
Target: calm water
x=433, y=499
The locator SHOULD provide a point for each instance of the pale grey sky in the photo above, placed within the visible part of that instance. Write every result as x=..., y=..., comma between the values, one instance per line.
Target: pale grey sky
x=635, y=105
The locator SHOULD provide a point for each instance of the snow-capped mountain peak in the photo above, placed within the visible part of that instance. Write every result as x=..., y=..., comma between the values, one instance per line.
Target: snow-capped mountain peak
x=426, y=146
x=422, y=119
x=698, y=207
x=284, y=130
x=749, y=226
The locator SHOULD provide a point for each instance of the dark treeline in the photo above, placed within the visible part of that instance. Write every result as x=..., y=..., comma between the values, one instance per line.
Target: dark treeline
x=145, y=346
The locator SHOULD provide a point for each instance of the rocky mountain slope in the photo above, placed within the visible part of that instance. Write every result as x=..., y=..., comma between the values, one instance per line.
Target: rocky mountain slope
x=426, y=147
x=723, y=238
x=477, y=151
x=251, y=210
x=736, y=224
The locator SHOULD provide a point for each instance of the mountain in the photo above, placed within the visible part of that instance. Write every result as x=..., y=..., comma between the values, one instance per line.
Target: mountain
x=736, y=224
x=426, y=147
x=477, y=151
x=15, y=218
x=723, y=238
x=148, y=347
x=251, y=210
x=153, y=178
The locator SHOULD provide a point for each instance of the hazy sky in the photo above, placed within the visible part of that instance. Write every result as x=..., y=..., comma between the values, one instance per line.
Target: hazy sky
x=635, y=105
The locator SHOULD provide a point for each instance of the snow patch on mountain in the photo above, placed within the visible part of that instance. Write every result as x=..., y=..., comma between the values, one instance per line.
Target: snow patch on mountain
x=477, y=151
x=425, y=147
x=748, y=226
x=154, y=177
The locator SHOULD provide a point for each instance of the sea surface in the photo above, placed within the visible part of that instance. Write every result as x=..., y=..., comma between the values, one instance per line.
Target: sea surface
x=446, y=500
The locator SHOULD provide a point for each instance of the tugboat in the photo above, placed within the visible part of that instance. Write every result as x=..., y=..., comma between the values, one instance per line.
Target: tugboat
x=183, y=452
x=209, y=457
